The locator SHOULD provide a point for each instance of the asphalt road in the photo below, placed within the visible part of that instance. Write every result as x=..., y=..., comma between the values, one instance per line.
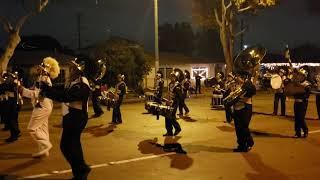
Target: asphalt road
x=135, y=149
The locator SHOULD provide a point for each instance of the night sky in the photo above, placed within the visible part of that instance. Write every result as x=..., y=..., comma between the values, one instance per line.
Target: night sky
x=289, y=23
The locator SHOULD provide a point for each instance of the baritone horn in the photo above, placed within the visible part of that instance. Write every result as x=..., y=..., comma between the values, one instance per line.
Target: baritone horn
x=246, y=61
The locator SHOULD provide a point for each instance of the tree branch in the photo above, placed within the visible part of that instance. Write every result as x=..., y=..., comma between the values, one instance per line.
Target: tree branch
x=6, y=24
x=42, y=5
x=22, y=20
x=244, y=9
x=229, y=5
x=217, y=17
x=239, y=33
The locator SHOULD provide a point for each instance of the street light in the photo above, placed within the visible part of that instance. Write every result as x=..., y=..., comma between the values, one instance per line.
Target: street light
x=156, y=38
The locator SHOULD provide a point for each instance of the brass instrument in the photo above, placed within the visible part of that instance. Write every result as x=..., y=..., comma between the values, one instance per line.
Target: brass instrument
x=109, y=98
x=246, y=61
x=296, y=76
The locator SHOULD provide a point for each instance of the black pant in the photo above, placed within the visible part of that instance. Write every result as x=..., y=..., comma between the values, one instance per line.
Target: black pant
x=242, y=120
x=282, y=98
x=95, y=103
x=73, y=124
x=116, y=113
x=300, y=109
x=198, y=87
x=171, y=120
x=318, y=105
x=11, y=116
x=182, y=105
x=228, y=111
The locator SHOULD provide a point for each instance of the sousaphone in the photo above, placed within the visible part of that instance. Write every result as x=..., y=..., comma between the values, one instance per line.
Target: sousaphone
x=246, y=62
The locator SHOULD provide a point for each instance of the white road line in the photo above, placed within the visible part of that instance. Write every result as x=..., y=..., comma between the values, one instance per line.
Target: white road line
x=312, y=132
x=100, y=165
x=140, y=159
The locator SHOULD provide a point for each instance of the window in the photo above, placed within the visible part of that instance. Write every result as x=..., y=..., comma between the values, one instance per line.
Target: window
x=202, y=71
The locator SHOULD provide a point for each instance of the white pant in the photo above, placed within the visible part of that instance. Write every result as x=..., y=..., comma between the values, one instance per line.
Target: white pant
x=38, y=125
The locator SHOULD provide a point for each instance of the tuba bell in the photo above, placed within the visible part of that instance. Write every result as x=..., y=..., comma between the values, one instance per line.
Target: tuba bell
x=246, y=63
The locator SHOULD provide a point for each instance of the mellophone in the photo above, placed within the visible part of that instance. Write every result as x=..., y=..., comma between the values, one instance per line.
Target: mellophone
x=109, y=98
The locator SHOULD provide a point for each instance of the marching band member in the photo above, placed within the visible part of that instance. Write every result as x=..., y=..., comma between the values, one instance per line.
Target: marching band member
x=318, y=95
x=96, y=92
x=218, y=90
x=185, y=88
x=75, y=116
x=12, y=106
x=229, y=87
x=3, y=99
x=42, y=106
x=175, y=96
x=159, y=87
x=301, y=104
x=243, y=112
x=120, y=92
x=279, y=95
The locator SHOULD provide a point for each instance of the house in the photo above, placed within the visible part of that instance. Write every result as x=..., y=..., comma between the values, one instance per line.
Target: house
x=24, y=60
x=206, y=67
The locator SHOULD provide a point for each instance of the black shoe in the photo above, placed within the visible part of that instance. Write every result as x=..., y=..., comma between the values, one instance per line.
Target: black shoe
x=305, y=133
x=177, y=132
x=241, y=149
x=297, y=135
x=97, y=115
x=5, y=129
x=11, y=139
x=168, y=134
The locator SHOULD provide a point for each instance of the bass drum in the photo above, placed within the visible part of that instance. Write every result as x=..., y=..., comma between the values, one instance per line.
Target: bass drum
x=276, y=81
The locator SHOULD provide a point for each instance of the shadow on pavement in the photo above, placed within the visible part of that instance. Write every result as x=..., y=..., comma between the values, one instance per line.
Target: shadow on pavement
x=6, y=156
x=179, y=161
x=268, y=134
x=8, y=177
x=188, y=119
x=99, y=130
x=18, y=167
x=225, y=128
x=262, y=171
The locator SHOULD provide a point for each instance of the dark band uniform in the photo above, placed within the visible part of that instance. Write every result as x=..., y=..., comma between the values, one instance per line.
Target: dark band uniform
x=279, y=95
x=242, y=117
x=185, y=89
x=75, y=117
x=318, y=95
x=175, y=95
x=3, y=99
x=96, y=92
x=12, y=107
x=300, y=109
x=229, y=87
x=116, y=113
x=159, y=90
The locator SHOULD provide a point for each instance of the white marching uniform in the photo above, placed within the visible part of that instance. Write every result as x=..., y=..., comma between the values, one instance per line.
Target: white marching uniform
x=38, y=124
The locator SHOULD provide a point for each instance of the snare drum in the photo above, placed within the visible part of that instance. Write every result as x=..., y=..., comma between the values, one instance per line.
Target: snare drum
x=149, y=96
x=217, y=101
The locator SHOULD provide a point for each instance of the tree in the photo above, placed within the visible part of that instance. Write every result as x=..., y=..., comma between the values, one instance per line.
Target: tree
x=223, y=15
x=123, y=56
x=33, y=7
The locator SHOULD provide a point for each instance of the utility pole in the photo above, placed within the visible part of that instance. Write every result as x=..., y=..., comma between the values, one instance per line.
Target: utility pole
x=156, y=36
x=79, y=28
x=241, y=36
